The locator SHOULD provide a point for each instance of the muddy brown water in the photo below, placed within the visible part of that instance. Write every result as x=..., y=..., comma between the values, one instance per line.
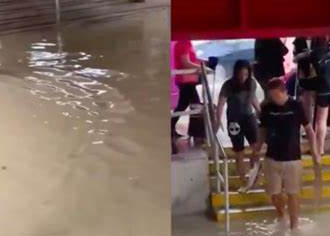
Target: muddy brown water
x=85, y=136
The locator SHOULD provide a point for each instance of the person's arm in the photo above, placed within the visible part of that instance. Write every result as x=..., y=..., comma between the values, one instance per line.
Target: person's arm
x=256, y=104
x=254, y=101
x=221, y=104
x=301, y=56
x=312, y=142
x=262, y=133
x=188, y=64
x=310, y=134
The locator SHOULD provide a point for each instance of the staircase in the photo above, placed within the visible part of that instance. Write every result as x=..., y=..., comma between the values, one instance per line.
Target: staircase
x=256, y=202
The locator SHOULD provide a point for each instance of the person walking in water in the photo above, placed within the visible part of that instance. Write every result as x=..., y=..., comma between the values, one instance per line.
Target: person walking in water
x=281, y=118
x=239, y=93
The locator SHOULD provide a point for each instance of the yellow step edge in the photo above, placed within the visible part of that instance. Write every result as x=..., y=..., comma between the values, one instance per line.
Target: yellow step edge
x=261, y=198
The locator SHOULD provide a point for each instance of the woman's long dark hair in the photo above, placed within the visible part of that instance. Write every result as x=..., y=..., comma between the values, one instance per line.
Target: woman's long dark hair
x=237, y=85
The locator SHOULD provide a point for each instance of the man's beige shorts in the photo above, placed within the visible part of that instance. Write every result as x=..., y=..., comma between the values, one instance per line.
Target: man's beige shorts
x=283, y=176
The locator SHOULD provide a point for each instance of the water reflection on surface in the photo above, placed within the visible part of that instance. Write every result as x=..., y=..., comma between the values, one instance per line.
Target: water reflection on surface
x=85, y=137
x=309, y=224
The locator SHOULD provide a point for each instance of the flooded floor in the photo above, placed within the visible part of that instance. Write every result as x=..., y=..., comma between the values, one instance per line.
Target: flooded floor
x=198, y=225
x=84, y=122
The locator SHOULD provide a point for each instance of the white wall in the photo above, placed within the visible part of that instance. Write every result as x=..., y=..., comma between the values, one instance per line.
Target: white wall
x=190, y=186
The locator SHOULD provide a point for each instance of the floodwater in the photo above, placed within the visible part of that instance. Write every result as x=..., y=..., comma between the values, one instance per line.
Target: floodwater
x=312, y=224
x=84, y=123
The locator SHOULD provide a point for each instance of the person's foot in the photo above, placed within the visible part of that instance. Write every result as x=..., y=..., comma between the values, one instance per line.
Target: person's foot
x=281, y=222
x=243, y=189
x=253, y=175
x=294, y=225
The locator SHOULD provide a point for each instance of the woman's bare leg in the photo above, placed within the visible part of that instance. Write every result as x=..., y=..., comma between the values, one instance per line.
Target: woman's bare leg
x=321, y=127
x=240, y=165
x=253, y=157
x=308, y=101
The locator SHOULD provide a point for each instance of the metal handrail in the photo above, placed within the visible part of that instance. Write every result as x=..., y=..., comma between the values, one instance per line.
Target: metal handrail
x=58, y=11
x=186, y=113
x=216, y=145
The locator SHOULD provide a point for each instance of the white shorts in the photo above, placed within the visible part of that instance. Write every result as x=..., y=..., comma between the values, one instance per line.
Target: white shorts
x=283, y=176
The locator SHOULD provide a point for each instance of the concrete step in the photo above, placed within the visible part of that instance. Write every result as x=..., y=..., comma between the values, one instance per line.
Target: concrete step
x=307, y=163
x=258, y=197
x=308, y=179
x=248, y=151
x=251, y=213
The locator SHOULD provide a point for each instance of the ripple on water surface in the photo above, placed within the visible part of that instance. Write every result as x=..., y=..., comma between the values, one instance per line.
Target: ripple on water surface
x=83, y=91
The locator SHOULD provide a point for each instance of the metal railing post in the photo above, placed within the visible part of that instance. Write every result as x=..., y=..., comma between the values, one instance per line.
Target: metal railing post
x=216, y=144
x=58, y=11
x=206, y=124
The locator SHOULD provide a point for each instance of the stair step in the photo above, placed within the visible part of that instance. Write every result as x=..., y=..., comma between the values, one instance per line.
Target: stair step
x=251, y=213
x=260, y=198
x=307, y=162
x=248, y=151
x=308, y=178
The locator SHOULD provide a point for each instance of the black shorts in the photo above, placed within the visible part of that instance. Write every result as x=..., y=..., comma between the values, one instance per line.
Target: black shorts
x=238, y=129
x=323, y=100
x=309, y=84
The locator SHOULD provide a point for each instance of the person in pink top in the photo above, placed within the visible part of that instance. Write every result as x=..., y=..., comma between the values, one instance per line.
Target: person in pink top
x=185, y=58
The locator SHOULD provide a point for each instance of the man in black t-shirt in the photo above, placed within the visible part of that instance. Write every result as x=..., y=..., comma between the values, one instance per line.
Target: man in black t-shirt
x=281, y=119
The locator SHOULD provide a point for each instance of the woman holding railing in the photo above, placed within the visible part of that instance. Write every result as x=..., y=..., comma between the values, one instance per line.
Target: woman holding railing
x=239, y=93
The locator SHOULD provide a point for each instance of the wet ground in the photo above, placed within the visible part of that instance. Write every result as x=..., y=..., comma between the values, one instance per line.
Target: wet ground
x=199, y=225
x=84, y=144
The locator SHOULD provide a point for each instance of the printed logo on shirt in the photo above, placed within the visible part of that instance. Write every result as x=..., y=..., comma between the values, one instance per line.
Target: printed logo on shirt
x=288, y=113
x=234, y=128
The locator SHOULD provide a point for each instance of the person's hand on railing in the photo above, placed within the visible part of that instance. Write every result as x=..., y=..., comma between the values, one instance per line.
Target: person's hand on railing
x=209, y=70
x=219, y=125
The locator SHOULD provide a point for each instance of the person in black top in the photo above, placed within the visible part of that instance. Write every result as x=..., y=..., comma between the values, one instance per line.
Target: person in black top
x=306, y=74
x=281, y=118
x=308, y=54
x=322, y=95
x=314, y=66
x=269, y=57
x=239, y=93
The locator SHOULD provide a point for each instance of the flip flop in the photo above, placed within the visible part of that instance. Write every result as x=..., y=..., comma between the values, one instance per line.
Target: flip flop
x=253, y=175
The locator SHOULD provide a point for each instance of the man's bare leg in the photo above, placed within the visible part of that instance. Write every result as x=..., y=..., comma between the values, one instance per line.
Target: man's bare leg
x=293, y=208
x=279, y=203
